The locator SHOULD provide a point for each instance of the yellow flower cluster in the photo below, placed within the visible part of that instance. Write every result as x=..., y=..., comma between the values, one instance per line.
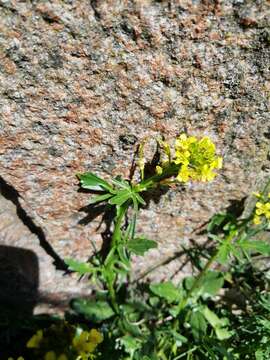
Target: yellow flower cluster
x=35, y=340
x=51, y=355
x=86, y=342
x=81, y=344
x=262, y=210
x=197, y=158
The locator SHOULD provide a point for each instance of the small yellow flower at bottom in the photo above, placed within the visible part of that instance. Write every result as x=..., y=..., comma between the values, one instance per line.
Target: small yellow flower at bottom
x=19, y=358
x=62, y=357
x=50, y=355
x=82, y=344
x=86, y=342
x=35, y=340
x=95, y=336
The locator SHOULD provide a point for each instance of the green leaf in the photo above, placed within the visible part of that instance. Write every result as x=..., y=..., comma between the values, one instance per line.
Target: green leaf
x=167, y=291
x=212, y=318
x=223, y=333
x=217, y=220
x=123, y=256
x=259, y=246
x=130, y=328
x=121, y=197
x=212, y=282
x=223, y=253
x=217, y=323
x=121, y=183
x=95, y=311
x=130, y=343
x=79, y=267
x=140, y=245
x=180, y=339
x=259, y=355
x=90, y=181
x=99, y=198
x=198, y=324
x=140, y=199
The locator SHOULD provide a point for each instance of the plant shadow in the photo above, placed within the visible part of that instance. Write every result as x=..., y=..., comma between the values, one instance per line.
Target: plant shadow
x=107, y=212
x=19, y=281
x=198, y=252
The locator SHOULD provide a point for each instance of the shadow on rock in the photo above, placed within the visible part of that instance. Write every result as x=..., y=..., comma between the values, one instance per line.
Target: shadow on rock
x=19, y=281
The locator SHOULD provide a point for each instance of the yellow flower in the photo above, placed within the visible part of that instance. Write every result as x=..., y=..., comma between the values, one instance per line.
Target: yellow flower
x=95, y=336
x=207, y=173
x=184, y=174
x=86, y=342
x=184, y=142
x=262, y=210
x=197, y=158
x=62, y=357
x=50, y=355
x=159, y=170
x=35, y=340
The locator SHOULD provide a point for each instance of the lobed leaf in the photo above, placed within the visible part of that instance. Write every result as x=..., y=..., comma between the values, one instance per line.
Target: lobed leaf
x=139, y=246
x=120, y=197
x=99, y=198
x=166, y=290
x=80, y=267
x=95, y=311
x=259, y=246
x=90, y=181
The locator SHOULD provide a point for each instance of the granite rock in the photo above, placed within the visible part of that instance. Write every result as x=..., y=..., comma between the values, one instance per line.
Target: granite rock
x=82, y=82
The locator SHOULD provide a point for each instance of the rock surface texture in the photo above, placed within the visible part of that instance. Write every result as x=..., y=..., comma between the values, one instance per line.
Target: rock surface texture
x=82, y=82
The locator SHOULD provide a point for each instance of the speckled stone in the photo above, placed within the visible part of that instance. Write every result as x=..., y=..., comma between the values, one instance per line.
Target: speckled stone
x=82, y=82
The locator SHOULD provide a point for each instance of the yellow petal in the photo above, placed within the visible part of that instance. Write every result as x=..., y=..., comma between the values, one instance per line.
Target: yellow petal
x=62, y=357
x=256, y=220
x=183, y=137
x=159, y=170
x=50, y=355
x=95, y=336
x=259, y=205
x=35, y=340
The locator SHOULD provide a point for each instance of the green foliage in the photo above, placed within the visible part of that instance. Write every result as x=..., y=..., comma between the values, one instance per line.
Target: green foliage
x=79, y=267
x=163, y=320
x=195, y=319
x=140, y=246
x=96, y=311
x=166, y=291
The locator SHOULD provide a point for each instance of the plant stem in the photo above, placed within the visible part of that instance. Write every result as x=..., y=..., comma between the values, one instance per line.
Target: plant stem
x=207, y=266
x=113, y=297
x=116, y=238
x=198, y=279
x=154, y=180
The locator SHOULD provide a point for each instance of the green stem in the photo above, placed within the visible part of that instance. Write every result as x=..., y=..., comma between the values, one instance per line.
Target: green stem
x=134, y=220
x=171, y=170
x=116, y=238
x=113, y=297
x=198, y=279
x=201, y=275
